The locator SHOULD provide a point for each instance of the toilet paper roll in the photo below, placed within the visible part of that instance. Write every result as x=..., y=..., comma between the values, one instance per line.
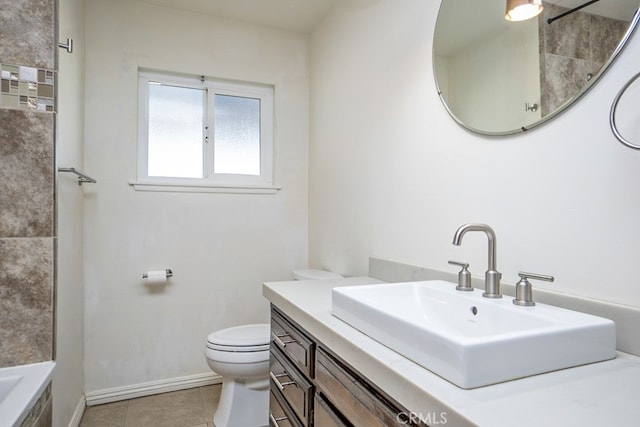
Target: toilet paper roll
x=156, y=277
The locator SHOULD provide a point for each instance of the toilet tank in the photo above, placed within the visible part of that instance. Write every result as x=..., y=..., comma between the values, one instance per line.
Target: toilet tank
x=315, y=275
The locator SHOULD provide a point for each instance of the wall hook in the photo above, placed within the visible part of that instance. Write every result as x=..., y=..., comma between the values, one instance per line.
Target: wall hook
x=68, y=46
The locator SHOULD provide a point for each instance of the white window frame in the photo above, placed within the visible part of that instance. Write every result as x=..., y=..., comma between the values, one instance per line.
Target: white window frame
x=211, y=181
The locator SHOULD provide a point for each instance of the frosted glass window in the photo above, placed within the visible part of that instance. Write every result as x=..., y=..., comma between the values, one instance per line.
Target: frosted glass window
x=175, y=134
x=199, y=132
x=237, y=135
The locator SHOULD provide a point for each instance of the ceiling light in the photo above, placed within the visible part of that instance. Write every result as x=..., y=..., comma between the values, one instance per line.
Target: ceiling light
x=521, y=10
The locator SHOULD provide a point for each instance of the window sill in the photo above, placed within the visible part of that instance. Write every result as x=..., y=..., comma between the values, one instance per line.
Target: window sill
x=199, y=187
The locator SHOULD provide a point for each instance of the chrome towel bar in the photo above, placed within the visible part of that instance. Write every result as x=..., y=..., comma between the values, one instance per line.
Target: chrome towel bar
x=612, y=115
x=82, y=178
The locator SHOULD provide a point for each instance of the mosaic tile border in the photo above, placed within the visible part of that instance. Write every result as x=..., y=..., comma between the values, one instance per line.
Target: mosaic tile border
x=27, y=88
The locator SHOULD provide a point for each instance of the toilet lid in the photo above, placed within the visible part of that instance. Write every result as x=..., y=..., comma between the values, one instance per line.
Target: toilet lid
x=254, y=337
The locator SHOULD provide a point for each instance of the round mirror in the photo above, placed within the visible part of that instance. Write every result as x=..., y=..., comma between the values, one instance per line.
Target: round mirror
x=500, y=77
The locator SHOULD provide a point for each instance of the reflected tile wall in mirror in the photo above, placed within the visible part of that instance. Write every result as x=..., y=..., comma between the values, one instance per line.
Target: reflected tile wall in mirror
x=572, y=49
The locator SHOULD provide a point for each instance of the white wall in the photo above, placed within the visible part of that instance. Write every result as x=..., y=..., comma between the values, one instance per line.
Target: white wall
x=68, y=380
x=392, y=175
x=221, y=247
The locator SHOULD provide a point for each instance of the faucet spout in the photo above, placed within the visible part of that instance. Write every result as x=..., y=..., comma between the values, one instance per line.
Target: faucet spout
x=492, y=276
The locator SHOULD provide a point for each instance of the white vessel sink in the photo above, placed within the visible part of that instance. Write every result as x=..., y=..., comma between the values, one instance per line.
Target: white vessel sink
x=469, y=340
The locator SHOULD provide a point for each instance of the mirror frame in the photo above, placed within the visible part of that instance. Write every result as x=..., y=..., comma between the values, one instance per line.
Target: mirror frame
x=562, y=108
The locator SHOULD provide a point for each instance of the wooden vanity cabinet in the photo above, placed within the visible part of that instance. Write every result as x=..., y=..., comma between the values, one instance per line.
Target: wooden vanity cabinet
x=292, y=356
x=312, y=387
x=352, y=395
x=279, y=413
x=294, y=343
x=296, y=390
x=325, y=415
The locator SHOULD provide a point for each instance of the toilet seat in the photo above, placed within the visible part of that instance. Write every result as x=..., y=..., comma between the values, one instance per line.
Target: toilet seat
x=241, y=339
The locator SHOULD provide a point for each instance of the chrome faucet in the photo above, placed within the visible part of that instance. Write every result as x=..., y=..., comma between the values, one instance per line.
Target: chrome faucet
x=492, y=276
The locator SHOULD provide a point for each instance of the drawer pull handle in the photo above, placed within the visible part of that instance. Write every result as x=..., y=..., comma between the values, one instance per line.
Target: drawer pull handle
x=274, y=421
x=278, y=339
x=280, y=385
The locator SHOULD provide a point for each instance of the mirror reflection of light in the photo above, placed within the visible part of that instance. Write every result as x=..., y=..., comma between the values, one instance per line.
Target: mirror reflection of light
x=521, y=10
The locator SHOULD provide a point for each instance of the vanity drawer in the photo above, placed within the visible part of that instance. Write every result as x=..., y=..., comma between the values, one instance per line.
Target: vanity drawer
x=325, y=416
x=278, y=415
x=357, y=402
x=296, y=390
x=298, y=348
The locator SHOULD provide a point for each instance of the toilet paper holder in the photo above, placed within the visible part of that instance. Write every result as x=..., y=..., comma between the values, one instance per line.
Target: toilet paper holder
x=167, y=270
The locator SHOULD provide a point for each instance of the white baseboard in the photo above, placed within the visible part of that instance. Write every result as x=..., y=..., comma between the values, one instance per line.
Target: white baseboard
x=99, y=397
x=77, y=414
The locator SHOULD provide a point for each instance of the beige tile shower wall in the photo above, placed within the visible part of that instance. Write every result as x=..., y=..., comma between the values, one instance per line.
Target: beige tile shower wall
x=27, y=232
x=27, y=33
x=573, y=49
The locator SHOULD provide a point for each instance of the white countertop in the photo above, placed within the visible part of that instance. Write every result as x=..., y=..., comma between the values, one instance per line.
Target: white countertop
x=599, y=394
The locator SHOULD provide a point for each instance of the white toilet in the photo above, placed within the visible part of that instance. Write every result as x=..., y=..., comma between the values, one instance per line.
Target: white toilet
x=240, y=354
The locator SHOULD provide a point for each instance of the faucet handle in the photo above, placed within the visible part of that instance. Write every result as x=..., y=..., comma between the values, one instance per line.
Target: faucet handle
x=464, y=276
x=524, y=293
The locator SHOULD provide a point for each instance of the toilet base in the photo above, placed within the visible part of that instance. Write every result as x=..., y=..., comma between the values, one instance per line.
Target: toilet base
x=243, y=404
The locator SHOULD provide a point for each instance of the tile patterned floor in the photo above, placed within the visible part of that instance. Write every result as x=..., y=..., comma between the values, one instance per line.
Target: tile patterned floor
x=185, y=408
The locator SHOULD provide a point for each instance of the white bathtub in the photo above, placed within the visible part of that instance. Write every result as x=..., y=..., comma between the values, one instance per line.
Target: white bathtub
x=20, y=387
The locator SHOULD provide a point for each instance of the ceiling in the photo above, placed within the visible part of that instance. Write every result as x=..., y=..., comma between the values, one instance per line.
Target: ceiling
x=293, y=15
x=304, y=15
